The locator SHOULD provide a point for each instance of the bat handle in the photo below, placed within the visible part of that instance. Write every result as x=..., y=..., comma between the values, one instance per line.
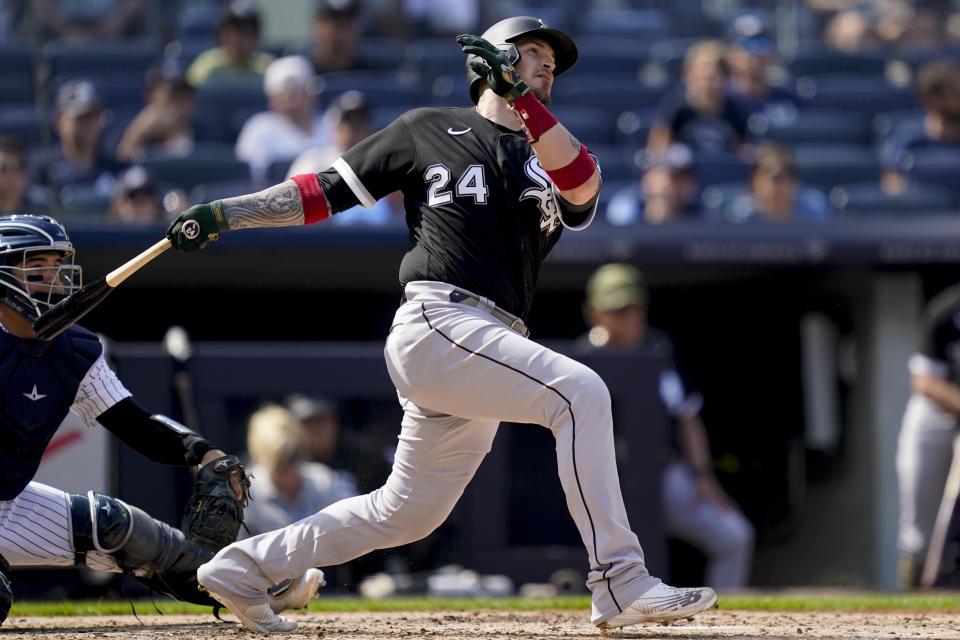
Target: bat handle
x=124, y=271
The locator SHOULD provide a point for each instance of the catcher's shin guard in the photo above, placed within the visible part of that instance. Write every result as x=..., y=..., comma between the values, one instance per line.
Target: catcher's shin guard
x=6, y=589
x=152, y=551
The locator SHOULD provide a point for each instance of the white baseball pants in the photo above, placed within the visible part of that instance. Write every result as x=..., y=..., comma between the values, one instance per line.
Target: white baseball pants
x=459, y=372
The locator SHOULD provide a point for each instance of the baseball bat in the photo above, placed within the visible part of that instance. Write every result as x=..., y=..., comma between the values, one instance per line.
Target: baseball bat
x=60, y=316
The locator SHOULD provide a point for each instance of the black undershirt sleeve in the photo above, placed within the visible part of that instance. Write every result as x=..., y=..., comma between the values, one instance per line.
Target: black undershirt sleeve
x=154, y=437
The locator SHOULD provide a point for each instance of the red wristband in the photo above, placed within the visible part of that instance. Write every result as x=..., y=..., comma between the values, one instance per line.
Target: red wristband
x=314, y=202
x=534, y=118
x=576, y=173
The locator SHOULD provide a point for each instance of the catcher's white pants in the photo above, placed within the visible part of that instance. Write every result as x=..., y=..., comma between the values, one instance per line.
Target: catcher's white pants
x=36, y=529
x=924, y=454
x=459, y=372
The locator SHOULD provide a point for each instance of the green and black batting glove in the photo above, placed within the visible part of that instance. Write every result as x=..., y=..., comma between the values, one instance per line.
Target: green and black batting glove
x=498, y=70
x=197, y=226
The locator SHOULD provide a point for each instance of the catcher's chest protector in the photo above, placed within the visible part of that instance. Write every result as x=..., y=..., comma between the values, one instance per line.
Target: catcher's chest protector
x=38, y=383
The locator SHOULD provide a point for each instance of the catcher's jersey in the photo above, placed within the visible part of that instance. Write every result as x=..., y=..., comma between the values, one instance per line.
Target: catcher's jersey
x=482, y=212
x=39, y=383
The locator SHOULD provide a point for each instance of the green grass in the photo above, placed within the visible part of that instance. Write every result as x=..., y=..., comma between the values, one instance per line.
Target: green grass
x=811, y=600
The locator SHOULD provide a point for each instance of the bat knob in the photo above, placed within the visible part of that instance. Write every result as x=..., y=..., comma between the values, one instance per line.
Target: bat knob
x=190, y=229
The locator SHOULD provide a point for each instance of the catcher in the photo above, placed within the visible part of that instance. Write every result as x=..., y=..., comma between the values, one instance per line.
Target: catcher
x=40, y=382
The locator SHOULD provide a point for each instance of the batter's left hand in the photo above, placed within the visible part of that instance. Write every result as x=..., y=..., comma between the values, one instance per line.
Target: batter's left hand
x=498, y=72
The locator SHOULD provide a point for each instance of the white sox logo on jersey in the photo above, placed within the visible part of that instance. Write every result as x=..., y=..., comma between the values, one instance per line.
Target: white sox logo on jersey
x=543, y=194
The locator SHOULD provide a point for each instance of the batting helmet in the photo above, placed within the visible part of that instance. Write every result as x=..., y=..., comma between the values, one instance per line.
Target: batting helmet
x=27, y=289
x=503, y=35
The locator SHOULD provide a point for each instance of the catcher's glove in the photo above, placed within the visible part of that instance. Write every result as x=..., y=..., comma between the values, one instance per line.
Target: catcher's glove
x=214, y=514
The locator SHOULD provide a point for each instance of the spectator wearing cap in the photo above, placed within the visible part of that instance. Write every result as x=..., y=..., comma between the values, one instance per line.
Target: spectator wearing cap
x=286, y=487
x=238, y=54
x=696, y=508
x=78, y=160
x=699, y=112
x=349, y=118
x=165, y=124
x=751, y=60
x=774, y=192
x=937, y=88
x=15, y=194
x=668, y=190
x=291, y=124
x=336, y=33
x=135, y=199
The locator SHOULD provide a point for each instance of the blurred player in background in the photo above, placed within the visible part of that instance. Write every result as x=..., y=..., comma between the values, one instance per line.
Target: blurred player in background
x=487, y=191
x=43, y=381
x=928, y=430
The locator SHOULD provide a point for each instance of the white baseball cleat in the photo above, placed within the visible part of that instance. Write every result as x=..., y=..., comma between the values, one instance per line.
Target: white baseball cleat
x=255, y=617
x=663, y=603
x=298, y=593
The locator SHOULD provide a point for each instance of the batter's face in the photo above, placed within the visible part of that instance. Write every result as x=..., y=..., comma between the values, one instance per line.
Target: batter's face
x=536, y=65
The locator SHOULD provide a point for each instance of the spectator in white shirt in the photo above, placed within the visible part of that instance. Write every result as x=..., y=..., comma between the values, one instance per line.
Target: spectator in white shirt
x=290, y=125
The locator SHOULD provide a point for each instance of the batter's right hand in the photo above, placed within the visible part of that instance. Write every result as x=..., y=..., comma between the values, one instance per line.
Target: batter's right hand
x=197, y=226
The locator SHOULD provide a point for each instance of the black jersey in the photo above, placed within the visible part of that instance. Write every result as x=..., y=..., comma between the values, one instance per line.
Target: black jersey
x=482, y=212
x=940, y=334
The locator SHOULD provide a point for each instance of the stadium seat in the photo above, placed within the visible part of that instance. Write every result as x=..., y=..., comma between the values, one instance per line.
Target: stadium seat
x=633, y=128
x=615, y=164
x=868, y=199
x=715, y=198
x=116, y=87
x=591, y=126
x=892, y=123
x=221, y=103
x=827, y=165
x=610, y=94
x=85, y=200
x=643, y=24
x=718, y=167
x=22, y=121
x=381, y=89
x=815, y=63
x=936, y=166
x=277, y=170
x=429, y=58
x=133, y=56
x=198, y=20
x=814, y=125
x=853, y=92
x=210, y=191
x=207, y=163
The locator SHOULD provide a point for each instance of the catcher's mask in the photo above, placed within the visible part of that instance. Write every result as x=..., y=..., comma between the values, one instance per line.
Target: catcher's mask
x=32, y=289
x=503, y=34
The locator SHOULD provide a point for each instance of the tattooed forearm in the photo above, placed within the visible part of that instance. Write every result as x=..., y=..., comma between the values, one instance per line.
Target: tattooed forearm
x=574, y=142
x=276, y=206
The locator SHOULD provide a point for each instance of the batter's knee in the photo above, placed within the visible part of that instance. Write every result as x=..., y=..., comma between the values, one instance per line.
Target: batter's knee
x=589, y=393
x=407, y=520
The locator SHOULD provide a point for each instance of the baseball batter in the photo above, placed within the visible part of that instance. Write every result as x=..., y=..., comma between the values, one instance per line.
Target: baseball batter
x=929, y=426
x=41, y=382
x=487, y=192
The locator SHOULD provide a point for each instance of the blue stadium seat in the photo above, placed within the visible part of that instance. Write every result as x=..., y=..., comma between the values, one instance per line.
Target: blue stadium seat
x=207, y=163
x=718, y=167
x=22, y=121
x=854, y=92
x=616, y=164
x=866, y=199
x=643, y=24
x=716, y=198
x=136, y=55
x=277, y=170
x=210, y=191
x=591, y=126
x=633, y=128
x=16, y=73
x=892, y=123
x=429, y=58
x=814, y=125
x=85, y=200
x=198, y=20
x=116, y=87
x=611, y=94
x=935, y=166
x=380, y=88
x=825, y=62
x=827, y=165
x=221, y=103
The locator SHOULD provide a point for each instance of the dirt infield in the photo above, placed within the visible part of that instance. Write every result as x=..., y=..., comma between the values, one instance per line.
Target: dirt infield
x=497, y=625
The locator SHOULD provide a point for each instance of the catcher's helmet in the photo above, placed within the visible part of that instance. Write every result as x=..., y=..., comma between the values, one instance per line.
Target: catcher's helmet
x=503, y=34
x=21, y=235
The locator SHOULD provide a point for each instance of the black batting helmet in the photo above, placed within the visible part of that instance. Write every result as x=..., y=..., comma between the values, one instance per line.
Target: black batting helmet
x=503, y=34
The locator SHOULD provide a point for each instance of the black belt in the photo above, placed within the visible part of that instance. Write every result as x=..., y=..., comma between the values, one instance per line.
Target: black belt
x=462, y=297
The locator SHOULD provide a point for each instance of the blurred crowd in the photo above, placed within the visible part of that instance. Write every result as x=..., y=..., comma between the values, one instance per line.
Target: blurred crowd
x=717, y=111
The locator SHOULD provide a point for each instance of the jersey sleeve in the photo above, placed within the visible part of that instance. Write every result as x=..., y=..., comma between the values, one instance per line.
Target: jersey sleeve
x=99, y=390
x=370, y=169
